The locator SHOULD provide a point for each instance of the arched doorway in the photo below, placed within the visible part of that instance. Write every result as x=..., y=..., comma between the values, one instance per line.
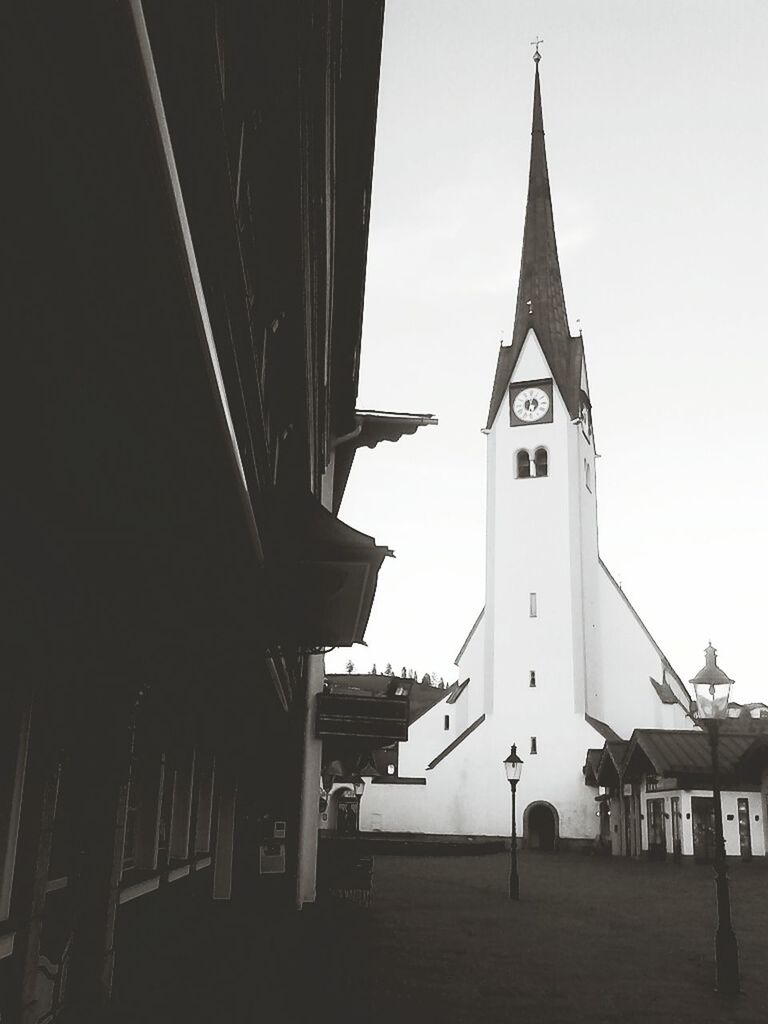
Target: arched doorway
x=343, y=810
x=541, y=827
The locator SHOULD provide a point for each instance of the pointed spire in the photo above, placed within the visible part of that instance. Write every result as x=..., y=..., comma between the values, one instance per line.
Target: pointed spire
x=540, y=297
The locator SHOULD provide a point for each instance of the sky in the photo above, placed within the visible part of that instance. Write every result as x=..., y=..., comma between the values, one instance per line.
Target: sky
x=657, y=143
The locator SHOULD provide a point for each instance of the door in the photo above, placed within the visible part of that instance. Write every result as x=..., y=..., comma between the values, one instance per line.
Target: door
x=657, y=833
x=703, y=813
x=677, y=846
x=745, y=832
x=628, y=851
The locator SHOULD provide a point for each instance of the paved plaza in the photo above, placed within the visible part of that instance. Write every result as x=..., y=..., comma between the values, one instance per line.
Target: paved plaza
x=592, y=939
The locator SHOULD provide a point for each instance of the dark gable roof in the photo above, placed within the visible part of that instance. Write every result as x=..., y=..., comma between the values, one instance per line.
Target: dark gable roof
x=611, y=762
x=420, y=697
x=591, y=765
x=672, y=752
x=540, y=297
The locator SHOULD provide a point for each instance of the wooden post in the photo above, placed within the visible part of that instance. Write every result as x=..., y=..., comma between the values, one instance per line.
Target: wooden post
x=100, y=767
x=41, y=781
x=225, y=835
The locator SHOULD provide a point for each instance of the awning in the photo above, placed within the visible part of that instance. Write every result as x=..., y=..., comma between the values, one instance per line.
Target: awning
x=371, y=429
x=326, y=574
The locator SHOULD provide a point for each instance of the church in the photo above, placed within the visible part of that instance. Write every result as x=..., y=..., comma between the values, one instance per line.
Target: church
x=558, y=660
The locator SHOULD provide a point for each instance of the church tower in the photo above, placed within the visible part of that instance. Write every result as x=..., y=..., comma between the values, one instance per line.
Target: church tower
x=558, y=661
x=541, y=526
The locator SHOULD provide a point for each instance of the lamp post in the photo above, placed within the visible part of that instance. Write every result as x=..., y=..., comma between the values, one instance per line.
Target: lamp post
x=513, y=766
x=358, y=784
x=712, y=688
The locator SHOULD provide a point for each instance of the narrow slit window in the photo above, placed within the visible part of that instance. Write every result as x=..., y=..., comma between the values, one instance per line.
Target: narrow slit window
x=533, y=678
x=533, y=609
x=533, y=745
x=447, y=722
x=523, y=465
x=541, y=462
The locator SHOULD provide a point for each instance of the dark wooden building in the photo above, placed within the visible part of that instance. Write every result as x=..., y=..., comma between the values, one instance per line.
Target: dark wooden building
x=186, y=215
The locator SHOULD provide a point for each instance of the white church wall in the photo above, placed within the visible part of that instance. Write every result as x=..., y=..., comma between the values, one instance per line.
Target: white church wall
x=455, y=800
x=471, y=664
x=426, y=738
x=625, y=658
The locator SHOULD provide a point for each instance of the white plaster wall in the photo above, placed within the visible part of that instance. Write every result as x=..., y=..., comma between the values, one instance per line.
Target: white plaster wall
x=471, y=664
x=426, y=738
x=468, y=793
x=624, y=659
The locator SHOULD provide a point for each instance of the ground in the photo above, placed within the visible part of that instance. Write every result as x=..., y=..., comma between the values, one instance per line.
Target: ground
x=592, y=939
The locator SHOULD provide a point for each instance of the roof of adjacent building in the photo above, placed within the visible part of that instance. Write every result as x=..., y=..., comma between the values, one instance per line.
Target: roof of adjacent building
x=421, y=697
x=591, y=765
x=673, y=752
x=540, y=296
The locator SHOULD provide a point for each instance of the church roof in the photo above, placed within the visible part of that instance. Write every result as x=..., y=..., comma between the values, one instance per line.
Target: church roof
x=455, y=743
x=604, y=730
x=540, y=297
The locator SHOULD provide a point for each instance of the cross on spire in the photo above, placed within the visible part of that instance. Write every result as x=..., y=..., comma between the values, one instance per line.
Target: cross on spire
x=537, y=42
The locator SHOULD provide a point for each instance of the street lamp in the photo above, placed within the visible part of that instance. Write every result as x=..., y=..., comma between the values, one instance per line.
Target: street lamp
x=358, y=784
x=712, y=688
x=513, y=766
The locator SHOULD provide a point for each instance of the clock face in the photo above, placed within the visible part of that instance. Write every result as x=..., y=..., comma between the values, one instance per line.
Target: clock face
x=531, y=404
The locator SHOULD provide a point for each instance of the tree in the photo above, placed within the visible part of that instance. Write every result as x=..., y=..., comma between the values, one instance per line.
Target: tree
x=350, y=666
x=373, y=669
x=425, y=680
x=388, y=670
x=402, y=673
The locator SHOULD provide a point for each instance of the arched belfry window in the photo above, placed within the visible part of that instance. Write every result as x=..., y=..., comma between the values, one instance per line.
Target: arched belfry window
x=523, y=464
x=541, y=461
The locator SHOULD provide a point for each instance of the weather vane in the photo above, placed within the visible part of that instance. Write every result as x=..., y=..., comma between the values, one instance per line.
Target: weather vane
x=537, y=42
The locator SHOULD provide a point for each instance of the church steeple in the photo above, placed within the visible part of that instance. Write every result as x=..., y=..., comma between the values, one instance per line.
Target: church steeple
x=540, y=298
